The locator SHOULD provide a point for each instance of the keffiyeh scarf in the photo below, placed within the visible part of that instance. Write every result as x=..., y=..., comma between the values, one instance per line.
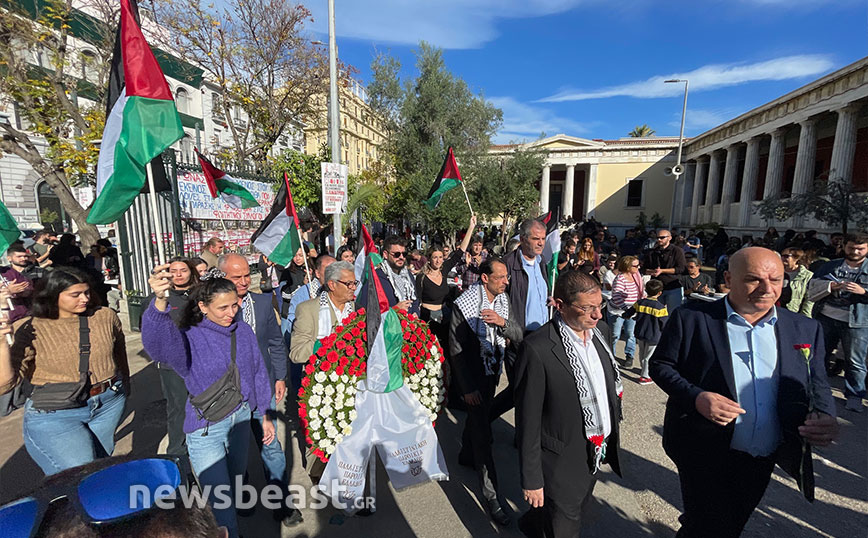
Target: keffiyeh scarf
x=402, y=282
x=326, y=308
x=584, y=385
x=492, y=344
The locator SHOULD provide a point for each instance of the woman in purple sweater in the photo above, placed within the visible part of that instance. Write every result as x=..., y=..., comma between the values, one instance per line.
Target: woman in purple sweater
x=199, y=350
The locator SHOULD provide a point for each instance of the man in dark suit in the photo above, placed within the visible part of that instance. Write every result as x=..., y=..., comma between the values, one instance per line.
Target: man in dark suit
x=257, y=311
x=568, y=406
x=747, y=389
x=393, y=273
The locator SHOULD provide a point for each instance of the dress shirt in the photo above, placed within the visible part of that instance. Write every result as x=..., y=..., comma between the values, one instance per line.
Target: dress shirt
x=536, y=313
x=594, y=372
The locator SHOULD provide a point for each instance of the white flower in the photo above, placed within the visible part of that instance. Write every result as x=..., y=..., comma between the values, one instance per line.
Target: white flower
x=320, y=377
x=326, y=411
x=338, y=439
x=345, y=378
x=333, y=377
x=426, y=401
x=314, y=425
x=340, y=388
x=313, y=414
x=352, y=415
x=314, y=401
x=350, y=402
x=433, y=417
x=329, y=390
x=342, y=424
x=339, y=403
x=346, y=430
x=332, y=432
x=341, y=416
x=315, y=436
x=318, y=389
x=351, y=389
x=414, y=378
x=425, y=381
x=413, y=386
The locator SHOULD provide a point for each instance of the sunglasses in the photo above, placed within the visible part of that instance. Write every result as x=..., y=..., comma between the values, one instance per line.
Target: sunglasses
x=397, y=254
x=103, y=497
x=663, y=236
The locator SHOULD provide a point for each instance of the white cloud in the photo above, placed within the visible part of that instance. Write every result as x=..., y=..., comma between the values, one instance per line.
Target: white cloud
x=708, y=77
x=522, y=122
x=450, y=24
x=698, y=119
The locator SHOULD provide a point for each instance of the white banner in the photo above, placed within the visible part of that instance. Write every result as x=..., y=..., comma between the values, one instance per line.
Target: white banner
x=399, y=427
x=196, y=201
x=334, y=188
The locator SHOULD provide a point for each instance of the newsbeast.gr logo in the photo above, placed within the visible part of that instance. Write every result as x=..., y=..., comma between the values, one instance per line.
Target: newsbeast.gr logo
x=244, y=497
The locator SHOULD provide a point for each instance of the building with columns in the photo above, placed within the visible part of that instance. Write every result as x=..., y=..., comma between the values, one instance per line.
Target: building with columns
x=611, y=180
x=817, y=132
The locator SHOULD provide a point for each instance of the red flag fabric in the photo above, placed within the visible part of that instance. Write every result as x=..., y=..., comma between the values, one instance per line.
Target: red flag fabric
x=143, y=75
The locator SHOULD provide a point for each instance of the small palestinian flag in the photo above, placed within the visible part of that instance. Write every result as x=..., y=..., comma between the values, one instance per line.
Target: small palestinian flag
x=278, y=236
x=368, y=247
x=448, y=178
x=552, y=248
x=385, y=335
x=222, y=184
x=143, y=122
x=9, y=232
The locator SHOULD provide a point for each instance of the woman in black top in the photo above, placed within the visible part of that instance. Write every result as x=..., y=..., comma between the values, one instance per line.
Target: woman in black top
x=432, y=287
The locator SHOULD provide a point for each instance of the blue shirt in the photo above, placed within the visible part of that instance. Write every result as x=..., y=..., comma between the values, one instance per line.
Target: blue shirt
x=536, y=314
x=754, y=350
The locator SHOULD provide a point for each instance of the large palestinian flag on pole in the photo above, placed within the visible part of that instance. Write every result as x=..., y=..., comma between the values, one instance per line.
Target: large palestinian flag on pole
x=385, y=336
x=448, y=178
x=279, y=235
x=222, y=184
x=552, y=247
x=143, y=122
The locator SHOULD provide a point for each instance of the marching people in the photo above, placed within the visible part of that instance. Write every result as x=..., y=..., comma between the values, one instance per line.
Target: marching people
x=18, y=286
x=66, y=253
x=627, y=289
x=568, y=409
x=468, y=268
x=211, y=250
x=219, y=359
x=649, y=315
x=840, y=290
x=588, y=259
x=666, y=263
x=345, y=254
x=257, y=312
x=74, y=354
x=398, y=282
x=479, y=330
x=43, y=242
x=200, y=265
x=794, y=295
x=746, y=387
x=694, y=281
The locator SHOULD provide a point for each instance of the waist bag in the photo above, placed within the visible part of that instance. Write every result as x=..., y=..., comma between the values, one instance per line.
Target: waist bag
x=57, y=396
x=221, y=398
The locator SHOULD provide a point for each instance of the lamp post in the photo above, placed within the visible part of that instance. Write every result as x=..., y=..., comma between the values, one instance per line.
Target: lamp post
x=677, y=170
x=334, y=114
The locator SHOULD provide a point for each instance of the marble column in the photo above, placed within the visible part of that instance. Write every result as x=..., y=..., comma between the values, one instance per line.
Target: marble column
x=591, y=191
x=684, y=191
x=698, y=188
x=713, y=181
x=544, y=189
x=730, y=181
x=569, y=190
x=844, y=148
x=748, y=184
x=775, y=167
x=806, y=157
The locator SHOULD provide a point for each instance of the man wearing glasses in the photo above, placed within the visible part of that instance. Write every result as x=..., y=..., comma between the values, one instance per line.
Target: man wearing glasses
x=564, y=371
x=666, y=263
x=399, y=284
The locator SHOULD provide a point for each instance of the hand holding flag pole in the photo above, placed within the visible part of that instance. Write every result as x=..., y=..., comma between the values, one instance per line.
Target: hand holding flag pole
x=7, y=308
x=300, y=238
x=158, y=226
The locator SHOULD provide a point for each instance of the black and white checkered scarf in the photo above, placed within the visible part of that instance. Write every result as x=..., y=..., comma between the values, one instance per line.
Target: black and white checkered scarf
x=492, y=344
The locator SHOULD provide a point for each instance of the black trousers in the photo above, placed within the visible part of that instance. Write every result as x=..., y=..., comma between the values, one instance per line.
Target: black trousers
x=556, y=519
x=477, y=438
x=505, y=399
x=175, y=393
x=720, y=493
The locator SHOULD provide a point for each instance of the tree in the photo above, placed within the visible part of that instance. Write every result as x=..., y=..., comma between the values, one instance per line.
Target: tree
x=431, y=112
x=259, y=55
x=641, y=131
x=835, y=203
x=40, y=71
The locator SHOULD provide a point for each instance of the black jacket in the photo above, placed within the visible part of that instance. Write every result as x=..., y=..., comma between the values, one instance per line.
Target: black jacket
x=667, y=258
x=517, y=288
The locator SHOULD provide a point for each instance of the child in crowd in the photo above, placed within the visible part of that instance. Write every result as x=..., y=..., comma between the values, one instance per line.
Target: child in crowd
x=650, y=315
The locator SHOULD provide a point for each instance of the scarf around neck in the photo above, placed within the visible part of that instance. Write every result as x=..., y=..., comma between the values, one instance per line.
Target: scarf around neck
x=402, y=282
x=492, y=343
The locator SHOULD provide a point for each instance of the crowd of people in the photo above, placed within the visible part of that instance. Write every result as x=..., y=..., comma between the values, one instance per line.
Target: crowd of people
x=228, y=357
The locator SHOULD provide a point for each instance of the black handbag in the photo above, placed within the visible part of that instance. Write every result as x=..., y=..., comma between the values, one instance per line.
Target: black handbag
x=57, y=396
x=221, y=398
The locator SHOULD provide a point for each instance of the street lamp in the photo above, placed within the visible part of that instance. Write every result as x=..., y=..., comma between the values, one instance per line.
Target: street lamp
x=678, y=169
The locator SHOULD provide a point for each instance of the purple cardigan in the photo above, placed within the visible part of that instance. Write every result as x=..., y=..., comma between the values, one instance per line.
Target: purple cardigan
x=201, y=354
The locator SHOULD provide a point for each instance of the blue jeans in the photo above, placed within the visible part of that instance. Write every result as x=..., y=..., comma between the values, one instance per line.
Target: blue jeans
x=219, y=457
x=672, y=299
x=855, y=343
x=273, y=457
x=620, y=326
x=58, y=440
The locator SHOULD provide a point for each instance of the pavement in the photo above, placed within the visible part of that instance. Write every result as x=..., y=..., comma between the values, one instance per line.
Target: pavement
x=645, y=502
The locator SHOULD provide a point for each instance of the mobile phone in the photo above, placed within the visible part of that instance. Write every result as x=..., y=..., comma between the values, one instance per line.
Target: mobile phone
x=832, y=277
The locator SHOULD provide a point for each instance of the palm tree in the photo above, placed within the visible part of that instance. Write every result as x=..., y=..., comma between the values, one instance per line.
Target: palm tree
x=641, y=131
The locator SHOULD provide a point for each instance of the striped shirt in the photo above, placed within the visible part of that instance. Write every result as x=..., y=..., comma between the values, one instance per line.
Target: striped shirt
x=625, y=292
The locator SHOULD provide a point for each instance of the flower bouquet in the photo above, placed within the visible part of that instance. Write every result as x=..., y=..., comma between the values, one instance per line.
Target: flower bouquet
x=326, y=403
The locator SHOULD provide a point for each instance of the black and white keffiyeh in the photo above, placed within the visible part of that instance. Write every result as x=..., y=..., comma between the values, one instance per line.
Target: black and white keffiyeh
x=326, y=309
x=492, y=343
x=591, y=413
x=402, y=282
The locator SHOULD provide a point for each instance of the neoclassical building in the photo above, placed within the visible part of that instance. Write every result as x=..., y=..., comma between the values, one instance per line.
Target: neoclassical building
x=819, y=131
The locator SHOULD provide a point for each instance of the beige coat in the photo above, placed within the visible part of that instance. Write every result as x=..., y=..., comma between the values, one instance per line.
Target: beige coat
x=305, y=329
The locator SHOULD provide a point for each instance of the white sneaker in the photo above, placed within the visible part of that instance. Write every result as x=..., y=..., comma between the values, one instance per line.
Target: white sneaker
x=854, y=403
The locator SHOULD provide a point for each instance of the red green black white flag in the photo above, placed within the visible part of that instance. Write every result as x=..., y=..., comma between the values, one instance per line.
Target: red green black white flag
x=222, y=184
x=448, y=178
x=278, y=235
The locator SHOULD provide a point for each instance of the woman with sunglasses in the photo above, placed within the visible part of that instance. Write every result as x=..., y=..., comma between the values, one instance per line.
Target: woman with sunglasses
x=627, y=288
x=794, y=295
x=67, y=331
x=201, y=349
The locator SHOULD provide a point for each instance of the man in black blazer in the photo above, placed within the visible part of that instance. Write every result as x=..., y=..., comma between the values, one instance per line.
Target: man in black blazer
x=395, y=255
x=747, y=389
x=568, y=406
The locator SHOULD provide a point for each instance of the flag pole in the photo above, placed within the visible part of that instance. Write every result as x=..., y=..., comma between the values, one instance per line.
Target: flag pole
x=466, y=197
x=7, y=309
x=306, y=268
x=158, y=226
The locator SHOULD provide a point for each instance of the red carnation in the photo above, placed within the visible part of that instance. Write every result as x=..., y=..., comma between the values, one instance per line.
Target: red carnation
x=350, y=351
x=339, y=370
x=309, y=368
x=412, y=338
x=301, y=393
x=341, y=344
x=302, y=412
x=332, y=356
x=404, y=324
x=324, y=366
x=411, y=368
x=412, y=352
x=356, y=363
x=362, y=325
x=338, y=329
x=348, y=336
x=597, y=440
x=305, y=382
x=343, y=361
x=321, y=351
x=355, y=331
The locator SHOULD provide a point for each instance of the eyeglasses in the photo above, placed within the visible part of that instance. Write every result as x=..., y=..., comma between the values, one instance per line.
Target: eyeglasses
x=399, y=254
x=663, y=236
x=587, y=309
x=105, y=496
x=635, y=265
x=349, y=283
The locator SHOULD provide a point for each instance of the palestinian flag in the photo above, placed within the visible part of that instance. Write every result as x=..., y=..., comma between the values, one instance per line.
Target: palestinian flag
x=385, y=336
x=368, y=247
x=142, y=123
x=278, y=237
x=9, y=232
x=222, y=184
x=552, y=248
x=448, y=178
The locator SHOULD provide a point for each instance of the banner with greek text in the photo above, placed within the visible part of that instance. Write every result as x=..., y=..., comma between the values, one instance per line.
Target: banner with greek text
x=197, y=203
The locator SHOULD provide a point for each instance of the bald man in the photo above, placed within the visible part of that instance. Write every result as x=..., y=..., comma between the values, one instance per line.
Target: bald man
x=738, y=373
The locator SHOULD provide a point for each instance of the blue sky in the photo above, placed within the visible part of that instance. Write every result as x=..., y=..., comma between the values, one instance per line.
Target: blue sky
x=588, y=69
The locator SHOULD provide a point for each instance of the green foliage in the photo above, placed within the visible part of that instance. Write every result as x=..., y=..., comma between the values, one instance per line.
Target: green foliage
x=505, y=187
x=48, y=217
x=833, y=202
x=641, y=131
x=305, y=176
x=373, y=191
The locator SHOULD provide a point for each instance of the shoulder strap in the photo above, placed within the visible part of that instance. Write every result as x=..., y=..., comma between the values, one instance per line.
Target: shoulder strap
x=83, y=346
x=232, y=353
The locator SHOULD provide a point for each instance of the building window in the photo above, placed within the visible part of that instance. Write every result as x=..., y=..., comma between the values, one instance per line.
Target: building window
x=216, y=105
x=635, y=188
x=182, y=100
x=88, y=60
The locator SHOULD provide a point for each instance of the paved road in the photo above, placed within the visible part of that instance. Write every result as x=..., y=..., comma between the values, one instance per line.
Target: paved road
x=646, y=502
